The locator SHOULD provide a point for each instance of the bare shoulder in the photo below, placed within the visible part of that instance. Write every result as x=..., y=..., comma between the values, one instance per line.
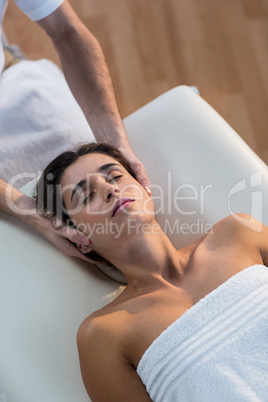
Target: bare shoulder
x=99, y=326
x=107, y=373
x=237, y=224
x=241, y=223
x=242, y=230
x=101, y=333
x=105, y=322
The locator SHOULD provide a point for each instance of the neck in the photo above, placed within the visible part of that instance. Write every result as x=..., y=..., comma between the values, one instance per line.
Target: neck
x=148, y=258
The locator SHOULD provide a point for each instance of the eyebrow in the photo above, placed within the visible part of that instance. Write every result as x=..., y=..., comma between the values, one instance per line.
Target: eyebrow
x=82, y=183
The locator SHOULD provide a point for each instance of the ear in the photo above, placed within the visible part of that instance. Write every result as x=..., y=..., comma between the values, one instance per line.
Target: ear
x=90, y=255
x=84, y=249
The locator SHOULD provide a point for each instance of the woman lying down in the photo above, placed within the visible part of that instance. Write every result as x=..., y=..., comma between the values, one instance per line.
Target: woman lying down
x=191, y=324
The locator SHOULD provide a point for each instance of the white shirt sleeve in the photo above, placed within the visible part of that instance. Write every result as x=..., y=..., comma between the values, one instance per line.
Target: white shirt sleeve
x=38, y=9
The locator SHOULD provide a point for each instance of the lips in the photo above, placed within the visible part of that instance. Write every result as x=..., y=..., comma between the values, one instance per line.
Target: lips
x=121, y=204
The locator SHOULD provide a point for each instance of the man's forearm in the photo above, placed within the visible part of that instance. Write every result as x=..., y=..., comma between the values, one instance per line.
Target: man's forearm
x=15, y=203
x=87, y=74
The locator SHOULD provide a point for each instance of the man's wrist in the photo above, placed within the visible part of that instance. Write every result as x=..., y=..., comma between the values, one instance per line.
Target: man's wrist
x=24, y=208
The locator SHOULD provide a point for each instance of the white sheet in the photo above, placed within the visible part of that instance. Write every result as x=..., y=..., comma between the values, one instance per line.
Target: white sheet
x=39, y=118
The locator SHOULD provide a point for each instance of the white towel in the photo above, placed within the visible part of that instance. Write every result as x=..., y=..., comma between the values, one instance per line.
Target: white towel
x=218, y=349
x=39, y=119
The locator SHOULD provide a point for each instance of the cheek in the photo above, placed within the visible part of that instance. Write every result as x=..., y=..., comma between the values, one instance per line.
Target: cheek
x=91, y=223
x=131, y=188
x=85, y=217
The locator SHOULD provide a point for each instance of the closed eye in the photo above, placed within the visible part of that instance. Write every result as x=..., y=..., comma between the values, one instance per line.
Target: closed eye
x=92, y=194
x=115, y=178
x=89, y=197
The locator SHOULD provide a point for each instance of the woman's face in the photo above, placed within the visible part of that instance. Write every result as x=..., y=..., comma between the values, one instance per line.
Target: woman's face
x=104, y=201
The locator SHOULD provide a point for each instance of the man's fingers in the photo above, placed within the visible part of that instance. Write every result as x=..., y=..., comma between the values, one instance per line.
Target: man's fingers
x=141, y=175
x=70, y=249
x=74, y=252
x=137, y=168
x=75, y=236
x=143, y=179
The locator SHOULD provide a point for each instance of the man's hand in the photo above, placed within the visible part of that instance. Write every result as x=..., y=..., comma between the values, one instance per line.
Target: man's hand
x=63, y=238
x=137, y=168
x=19, y=205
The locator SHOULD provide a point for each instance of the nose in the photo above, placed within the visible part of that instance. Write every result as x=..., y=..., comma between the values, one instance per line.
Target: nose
x=109, y=191
x=111, y=194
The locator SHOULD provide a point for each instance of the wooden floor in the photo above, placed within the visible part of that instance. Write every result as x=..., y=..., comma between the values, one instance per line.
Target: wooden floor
x=153, y=45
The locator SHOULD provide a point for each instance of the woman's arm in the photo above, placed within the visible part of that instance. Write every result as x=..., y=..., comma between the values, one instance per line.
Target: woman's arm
x=108, y=376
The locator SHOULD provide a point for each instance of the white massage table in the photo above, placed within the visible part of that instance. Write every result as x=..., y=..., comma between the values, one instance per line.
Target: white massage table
x=189, y=150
